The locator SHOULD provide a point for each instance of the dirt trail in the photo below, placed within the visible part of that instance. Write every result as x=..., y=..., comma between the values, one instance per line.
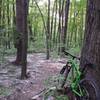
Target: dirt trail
x=39, y=70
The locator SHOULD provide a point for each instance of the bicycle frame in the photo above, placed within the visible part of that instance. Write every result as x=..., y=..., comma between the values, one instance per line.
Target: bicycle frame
x=72, y=66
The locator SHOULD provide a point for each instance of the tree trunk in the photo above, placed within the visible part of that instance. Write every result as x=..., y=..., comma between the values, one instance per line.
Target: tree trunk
x=48, y=32
x=19, y=28
x=91, y=48
x=64, y=33
x=0, y=13
x=55, y=25
x=21, y=25
x=24, y=40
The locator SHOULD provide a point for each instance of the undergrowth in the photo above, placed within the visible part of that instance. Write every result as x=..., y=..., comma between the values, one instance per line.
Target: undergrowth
x=4, y=91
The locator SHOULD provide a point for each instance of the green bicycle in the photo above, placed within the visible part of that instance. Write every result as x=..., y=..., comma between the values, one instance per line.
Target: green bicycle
x=81, y=87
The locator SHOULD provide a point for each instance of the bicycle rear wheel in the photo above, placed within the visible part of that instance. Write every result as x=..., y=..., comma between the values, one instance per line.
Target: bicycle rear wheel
x=90, y=90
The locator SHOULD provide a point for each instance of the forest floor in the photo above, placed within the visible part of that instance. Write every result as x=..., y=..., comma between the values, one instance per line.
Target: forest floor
x=39, y=70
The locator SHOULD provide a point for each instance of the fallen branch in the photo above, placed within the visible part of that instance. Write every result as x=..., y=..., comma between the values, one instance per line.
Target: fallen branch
x=43, y=92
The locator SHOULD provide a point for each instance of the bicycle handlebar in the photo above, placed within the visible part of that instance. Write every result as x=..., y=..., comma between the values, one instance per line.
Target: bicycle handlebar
x=73, y=56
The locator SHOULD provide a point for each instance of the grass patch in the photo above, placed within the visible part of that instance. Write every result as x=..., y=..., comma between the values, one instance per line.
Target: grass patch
x=55, y=95
x=4, y=91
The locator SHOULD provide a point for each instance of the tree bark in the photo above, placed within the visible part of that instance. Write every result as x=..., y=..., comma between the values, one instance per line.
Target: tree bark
x=64, y=33
x=21, y=26
x=24, y=40
x=48, y=33
x=91, y=48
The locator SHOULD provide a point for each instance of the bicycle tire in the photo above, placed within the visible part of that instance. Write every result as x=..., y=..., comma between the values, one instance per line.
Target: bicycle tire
x=90, y=90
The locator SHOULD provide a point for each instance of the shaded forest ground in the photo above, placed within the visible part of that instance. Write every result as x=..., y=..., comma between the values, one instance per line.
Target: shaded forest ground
x=39, y=69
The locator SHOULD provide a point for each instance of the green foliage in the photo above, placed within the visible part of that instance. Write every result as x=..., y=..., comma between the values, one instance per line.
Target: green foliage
x=75, y=51
x=55, y=95
x=62, y=97
x=54, y=81
x=2, y=53
x=5, y=91
x=75, y=32
x=54, y=53
x=37, y=46
x=11, y=51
